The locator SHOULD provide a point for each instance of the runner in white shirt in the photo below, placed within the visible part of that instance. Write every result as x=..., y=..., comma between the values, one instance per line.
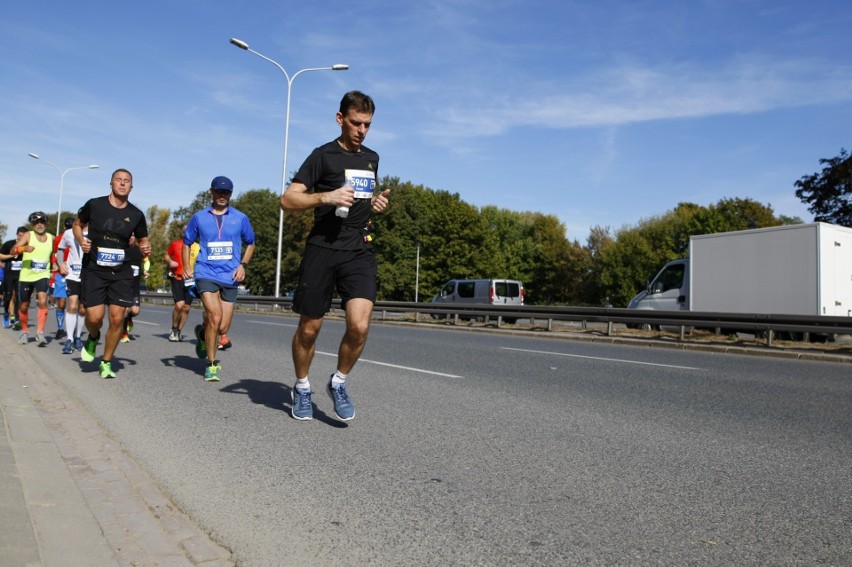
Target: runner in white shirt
x=69, y=258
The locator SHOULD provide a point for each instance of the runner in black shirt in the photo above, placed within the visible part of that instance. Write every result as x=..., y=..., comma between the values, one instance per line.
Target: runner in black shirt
x=107, y=277
x=13, y=263
x=339, y=255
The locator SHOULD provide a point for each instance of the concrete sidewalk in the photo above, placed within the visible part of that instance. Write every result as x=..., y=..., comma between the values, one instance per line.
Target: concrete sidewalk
x=69, y=494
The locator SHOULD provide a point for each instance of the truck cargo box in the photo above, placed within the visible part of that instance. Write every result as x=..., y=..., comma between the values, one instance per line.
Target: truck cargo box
x=803, y=269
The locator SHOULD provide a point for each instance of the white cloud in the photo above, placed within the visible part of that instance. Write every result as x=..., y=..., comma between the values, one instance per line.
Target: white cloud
x=633, y=94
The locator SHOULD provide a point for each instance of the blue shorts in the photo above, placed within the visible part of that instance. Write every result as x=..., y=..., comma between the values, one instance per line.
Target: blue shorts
x=227, y=292
x=59, y=289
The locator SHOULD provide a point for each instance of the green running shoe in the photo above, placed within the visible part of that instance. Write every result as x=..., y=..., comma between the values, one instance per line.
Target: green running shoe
x=106, y=369
x=211, y=373
x=88, y=352
x=201, y=349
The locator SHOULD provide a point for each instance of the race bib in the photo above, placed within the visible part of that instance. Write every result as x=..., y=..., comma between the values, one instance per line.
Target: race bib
x=362, y=181
x=220, y=251
x=109, y=257
x=76, y=269
x=136, y=270
x=38, y=265
x=17, y=265
x=188, y=282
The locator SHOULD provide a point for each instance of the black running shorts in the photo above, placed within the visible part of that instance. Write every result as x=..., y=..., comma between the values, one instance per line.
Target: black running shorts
x=27, y=289
x=106, y=289
x=352, y=273
x=73, y=287
x=180, y=292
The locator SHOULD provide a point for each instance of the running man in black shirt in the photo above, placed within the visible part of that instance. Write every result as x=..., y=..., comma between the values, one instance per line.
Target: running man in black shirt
x=107, y=276
x=13, y=262
x=341, y=174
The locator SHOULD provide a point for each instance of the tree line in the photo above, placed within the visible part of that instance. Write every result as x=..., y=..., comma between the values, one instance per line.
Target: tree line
x=458, y=240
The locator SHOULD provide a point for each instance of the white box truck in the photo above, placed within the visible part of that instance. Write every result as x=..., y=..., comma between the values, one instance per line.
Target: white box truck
x=801, y=269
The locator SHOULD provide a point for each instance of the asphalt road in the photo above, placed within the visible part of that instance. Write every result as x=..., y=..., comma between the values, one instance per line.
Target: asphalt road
x=488, y=449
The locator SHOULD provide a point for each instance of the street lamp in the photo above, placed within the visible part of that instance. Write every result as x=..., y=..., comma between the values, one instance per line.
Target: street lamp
x=339, y=67
x=61, y=182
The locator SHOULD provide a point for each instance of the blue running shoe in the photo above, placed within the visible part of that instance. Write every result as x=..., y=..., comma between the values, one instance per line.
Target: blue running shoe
x=6, y=322
x=302, y=408
x=69, y=347
x=78, y=344
x=343, y=406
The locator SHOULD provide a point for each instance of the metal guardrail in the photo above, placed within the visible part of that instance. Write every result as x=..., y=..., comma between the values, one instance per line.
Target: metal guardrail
x=766, y=324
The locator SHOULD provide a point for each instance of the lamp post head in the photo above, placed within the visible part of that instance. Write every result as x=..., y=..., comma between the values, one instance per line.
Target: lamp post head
x=32, y=155
x=239, y=43
x=93, y=166
x=339, y=67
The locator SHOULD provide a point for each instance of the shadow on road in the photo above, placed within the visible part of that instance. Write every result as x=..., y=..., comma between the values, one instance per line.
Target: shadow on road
x=185, y=362
x=275, y=395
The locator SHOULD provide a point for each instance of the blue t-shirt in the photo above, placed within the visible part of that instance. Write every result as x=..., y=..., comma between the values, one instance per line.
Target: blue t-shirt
x=220, y=239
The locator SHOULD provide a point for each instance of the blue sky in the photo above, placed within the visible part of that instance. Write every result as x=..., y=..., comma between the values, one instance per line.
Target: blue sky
x=599, y=112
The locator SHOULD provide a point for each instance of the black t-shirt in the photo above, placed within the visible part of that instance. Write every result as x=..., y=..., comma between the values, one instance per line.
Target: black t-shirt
x=109, y=230
x=7, y=249
x=326, y=169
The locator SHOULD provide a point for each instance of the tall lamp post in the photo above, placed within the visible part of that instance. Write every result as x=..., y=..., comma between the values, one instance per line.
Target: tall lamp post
x=339, y=67
x=61, y=182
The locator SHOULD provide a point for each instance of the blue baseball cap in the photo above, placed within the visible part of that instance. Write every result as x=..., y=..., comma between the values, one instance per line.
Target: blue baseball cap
x=221, y=183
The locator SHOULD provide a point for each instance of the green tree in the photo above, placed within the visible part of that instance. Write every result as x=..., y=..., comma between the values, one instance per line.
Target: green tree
x=512, y=242
x=599, y=240
x=158, y=223
x=261, y=207
x=828, y=193
x=557, y=265
x=453, y=240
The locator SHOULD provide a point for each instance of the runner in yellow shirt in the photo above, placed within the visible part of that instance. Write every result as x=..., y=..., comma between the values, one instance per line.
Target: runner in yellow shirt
x=36, y=246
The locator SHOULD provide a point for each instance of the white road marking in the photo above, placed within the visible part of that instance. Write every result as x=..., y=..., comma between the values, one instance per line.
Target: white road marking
x=601, y=358
x=271, y=323
x=421, y=370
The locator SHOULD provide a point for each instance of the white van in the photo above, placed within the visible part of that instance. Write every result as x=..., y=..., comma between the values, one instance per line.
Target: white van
x=487, y=292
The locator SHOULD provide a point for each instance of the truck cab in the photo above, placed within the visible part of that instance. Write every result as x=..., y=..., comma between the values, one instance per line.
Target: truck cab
x=668, y=291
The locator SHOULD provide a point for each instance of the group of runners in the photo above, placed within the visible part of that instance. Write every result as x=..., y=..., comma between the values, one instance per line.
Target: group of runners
x=103, y=254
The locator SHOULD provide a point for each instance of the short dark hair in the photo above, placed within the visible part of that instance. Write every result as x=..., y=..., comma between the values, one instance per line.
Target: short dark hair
x=357, y=101
x=120, y=170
